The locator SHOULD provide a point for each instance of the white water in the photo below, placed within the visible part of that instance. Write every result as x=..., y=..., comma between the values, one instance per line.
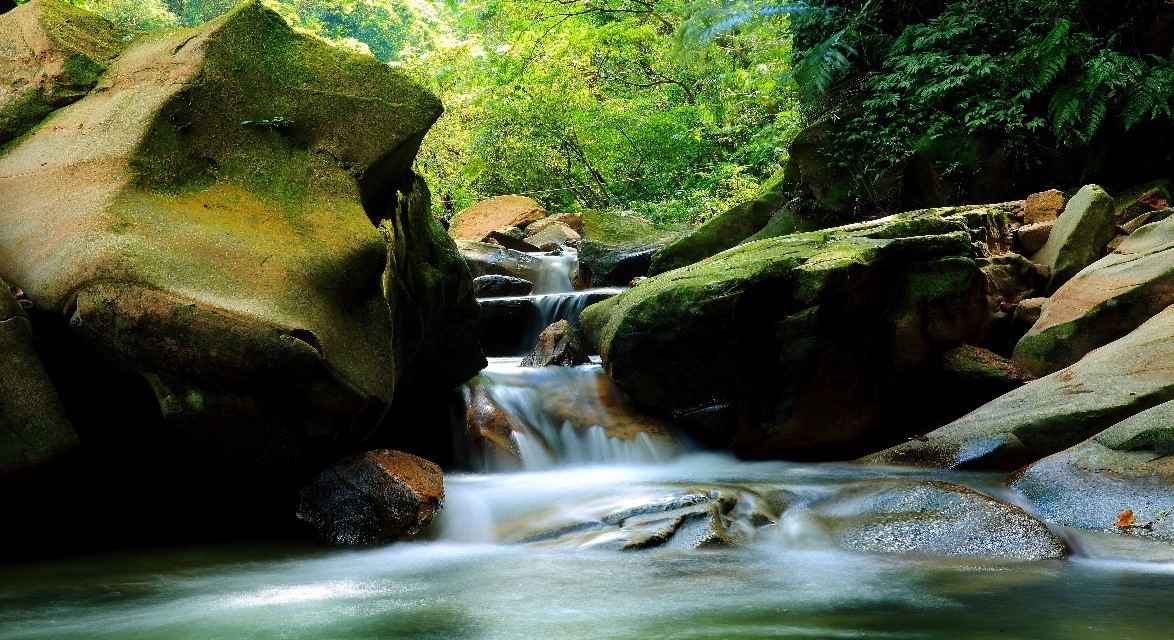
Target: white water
x=469, y=582
x=555, y=272
x=550, y=412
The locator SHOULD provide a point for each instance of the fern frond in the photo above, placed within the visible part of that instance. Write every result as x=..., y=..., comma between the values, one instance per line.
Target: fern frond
x=1052, y=56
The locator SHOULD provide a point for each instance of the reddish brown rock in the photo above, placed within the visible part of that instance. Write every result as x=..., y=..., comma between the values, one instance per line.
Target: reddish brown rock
x=557, y=346
x=1033, y=237
x=373, y=498
x=1044, y=207
x=486, y=216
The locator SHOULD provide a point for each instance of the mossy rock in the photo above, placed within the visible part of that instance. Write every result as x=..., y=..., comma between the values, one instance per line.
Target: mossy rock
x=617, y=247
x=51, y=54
x=1110, y=384
x=726, y=229
x=806, y=343
x=1142, y=199
x=1080, y=235
x=213, y=229
x=1104, y=302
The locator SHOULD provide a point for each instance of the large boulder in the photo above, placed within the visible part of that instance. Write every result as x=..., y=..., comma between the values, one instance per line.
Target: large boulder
x=725, y=230
x=34, y=429
x=617, y=247
x=1104, y=302
x=478, y=221
x=373, y=498
x=51, y=55
x=1079, y=236
x=924, y=517
x=207, y=220
x=1127, y=467
x=813, y=342
x=1107, y=386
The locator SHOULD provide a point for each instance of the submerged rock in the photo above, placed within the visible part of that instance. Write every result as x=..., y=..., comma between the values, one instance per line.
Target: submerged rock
x=924, y=517
x=1104, y=302
x=1079, y=236
x=676, y=518
x=479, y=220
x=1055, y=412
x=557, y=346
x=1127, y=467
x=814, y=340
x=373, y=498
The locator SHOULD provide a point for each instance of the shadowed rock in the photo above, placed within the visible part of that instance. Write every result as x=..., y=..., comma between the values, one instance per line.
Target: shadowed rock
x=373, y=498
x=557, y=346
x=1055, y=412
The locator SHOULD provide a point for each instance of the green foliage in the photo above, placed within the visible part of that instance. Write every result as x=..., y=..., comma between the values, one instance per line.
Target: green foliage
x=579, y=103
x=1036, y=73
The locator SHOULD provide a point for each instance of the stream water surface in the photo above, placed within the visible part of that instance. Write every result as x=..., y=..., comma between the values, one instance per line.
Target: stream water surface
x=480, y=572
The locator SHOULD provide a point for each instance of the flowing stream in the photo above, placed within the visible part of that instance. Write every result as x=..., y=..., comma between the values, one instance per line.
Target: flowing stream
x=508, y=558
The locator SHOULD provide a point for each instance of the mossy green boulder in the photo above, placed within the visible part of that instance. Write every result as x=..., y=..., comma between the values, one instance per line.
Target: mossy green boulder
x=51, y=54
x=1122, y=378
x=617, y=247
x=207, y=218
x=814, y=343
x=1125, y=467
x=1081, y=233
x=1104, y=302
x=726, y=229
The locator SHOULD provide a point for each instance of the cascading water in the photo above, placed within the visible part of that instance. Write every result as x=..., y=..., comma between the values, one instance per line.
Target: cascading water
x=536, y=418
x=553, y=298
x=580, y=519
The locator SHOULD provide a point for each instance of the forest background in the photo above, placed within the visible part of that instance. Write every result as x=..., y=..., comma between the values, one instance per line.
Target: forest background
x=675, y=110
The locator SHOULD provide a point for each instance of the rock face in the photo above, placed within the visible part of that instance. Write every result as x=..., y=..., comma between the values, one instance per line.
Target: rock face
x=479, y=220
x=676, y=518
x=1107, y=386
x=51, y=55
x=207, y=218
x=1103, y=302
x=1033, y=237
x=501, y=286
x=1080, y=234
x=1044, y=207
x=926, y=518
x=1126, y=467
x=373, y=498
x=617, y=248
x=34, y=429
x=752, y=347
x=724, y=230
x=557, y=346
x=555, y=233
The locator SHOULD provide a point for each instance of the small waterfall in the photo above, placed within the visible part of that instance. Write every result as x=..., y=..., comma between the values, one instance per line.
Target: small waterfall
x=510, y=325
x=555, y=272
x=535, y=418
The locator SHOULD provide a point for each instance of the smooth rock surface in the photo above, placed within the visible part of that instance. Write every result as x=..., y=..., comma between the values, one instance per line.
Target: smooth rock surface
x=51, y=55
x=1104, y=302
x=1080, y=234
x=479, y=220
x=1129, y=466
x=1055, y=412
x=373, y=498
x=495, y=286
x=925, y=517
x=1033, y=237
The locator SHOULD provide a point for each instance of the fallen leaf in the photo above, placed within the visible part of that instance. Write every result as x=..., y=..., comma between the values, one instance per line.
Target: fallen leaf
x=1125, y=519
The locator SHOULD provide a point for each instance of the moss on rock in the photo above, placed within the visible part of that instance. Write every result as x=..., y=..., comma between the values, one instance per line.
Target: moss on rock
x=755, y=344
x=51, y=54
